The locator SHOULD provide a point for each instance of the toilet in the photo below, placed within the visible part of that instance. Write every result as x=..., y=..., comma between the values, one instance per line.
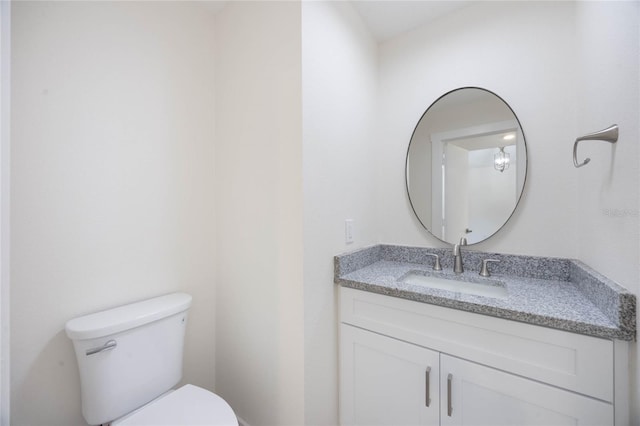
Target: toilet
x=130, y=359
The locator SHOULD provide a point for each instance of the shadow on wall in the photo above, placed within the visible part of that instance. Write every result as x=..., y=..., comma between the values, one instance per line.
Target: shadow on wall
x=59, y=393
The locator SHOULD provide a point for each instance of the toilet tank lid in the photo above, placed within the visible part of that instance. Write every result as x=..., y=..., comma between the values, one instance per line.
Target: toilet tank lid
x=125, y=317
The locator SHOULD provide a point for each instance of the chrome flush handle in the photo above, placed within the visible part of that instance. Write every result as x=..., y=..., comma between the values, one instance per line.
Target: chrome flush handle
x=111, y=344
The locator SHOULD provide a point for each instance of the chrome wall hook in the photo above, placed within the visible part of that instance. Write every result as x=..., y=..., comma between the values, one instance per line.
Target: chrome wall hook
x=610, y=134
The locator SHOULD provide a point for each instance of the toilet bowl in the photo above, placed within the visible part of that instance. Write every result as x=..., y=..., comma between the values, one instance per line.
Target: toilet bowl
x=130, y=360
x=188, y=405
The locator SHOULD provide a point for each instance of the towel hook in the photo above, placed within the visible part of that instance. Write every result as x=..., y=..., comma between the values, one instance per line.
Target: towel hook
x=610, y=134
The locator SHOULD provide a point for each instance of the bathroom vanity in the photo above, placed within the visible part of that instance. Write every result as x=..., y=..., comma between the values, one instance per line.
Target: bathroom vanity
x=462, y=337
x=549, y=347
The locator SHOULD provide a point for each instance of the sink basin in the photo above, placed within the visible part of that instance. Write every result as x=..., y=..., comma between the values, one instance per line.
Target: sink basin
x=480, y=287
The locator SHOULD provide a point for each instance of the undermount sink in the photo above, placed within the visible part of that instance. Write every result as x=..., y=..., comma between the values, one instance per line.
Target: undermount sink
x=487, y=288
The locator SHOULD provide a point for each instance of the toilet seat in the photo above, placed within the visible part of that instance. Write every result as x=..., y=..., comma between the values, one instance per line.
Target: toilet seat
x=187, y=406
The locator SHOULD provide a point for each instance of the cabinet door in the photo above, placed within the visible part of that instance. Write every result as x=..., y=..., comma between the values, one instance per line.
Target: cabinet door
x=472, y=394
x=384, y=381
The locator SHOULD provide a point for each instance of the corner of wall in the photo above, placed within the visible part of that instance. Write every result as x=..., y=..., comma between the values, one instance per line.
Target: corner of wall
x=5, y=69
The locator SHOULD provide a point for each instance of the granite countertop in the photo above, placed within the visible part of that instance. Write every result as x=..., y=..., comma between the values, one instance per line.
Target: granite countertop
x=559, y=293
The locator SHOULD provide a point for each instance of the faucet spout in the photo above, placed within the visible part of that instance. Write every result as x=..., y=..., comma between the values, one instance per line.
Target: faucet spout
x=458, y=267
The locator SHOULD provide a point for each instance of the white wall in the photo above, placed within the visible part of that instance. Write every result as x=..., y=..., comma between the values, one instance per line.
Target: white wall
x=258, y=173
x=111, y=182
x=504, y=47
x=608, y=227
x=339, y=104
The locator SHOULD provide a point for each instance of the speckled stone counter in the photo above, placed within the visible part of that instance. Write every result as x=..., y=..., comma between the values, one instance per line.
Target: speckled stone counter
x=559, y=293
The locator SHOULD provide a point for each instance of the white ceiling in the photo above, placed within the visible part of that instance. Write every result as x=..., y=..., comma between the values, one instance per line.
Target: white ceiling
x=389, y=18
x=386, y=18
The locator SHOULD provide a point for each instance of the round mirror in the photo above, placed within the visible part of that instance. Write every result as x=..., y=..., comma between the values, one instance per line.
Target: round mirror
x=466, y=165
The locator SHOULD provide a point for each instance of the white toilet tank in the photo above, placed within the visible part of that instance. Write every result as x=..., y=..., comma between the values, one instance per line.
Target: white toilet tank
x=129, y=355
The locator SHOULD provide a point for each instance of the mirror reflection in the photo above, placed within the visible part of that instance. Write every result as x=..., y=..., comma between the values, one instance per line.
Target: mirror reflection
x=466, y=165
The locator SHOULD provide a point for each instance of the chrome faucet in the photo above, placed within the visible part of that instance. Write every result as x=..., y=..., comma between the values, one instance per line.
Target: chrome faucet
x=458, y=267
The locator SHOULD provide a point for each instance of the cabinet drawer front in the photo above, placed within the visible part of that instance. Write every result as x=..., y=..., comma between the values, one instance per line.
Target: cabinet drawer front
x=572, y=361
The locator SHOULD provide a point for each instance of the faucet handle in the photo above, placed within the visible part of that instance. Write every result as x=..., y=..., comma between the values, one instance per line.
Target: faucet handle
x=484, y=271
x=436, y=264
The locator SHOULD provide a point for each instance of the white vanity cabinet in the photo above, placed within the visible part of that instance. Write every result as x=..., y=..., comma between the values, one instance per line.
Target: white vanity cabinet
x=395, y=354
